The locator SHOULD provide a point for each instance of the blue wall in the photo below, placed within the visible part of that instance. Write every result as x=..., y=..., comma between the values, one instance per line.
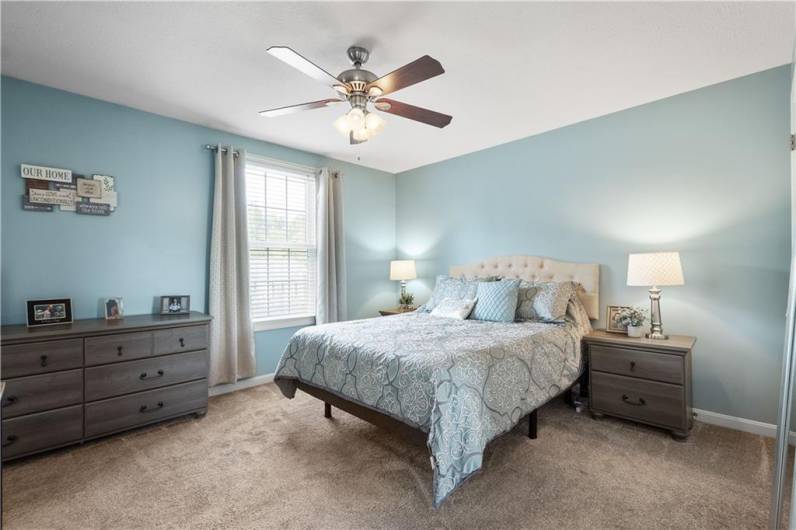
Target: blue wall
x=705, y=173
x=156, y=242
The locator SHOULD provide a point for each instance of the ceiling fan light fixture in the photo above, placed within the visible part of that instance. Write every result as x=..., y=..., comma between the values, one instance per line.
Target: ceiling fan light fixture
x=341, y=124
x=362, y=135
x=355, y=118
x=374, y=123
x=375, y=91
x=341, y=89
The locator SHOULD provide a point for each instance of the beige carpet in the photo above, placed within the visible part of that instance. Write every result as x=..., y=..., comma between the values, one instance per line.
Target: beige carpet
x=258, y=460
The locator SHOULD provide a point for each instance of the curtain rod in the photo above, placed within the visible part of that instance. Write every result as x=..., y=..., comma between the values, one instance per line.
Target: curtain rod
x=216, y=148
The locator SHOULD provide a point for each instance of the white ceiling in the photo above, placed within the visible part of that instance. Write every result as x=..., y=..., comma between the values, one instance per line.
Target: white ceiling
x=512, y=69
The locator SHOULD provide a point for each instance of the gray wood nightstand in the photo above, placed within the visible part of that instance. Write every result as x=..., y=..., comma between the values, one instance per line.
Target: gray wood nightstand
x=648, y=381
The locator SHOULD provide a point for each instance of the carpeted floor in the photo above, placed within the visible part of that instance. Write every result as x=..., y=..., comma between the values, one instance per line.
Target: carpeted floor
x=258, y=460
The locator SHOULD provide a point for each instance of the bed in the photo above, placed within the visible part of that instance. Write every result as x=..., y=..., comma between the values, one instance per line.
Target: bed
x=454, y=385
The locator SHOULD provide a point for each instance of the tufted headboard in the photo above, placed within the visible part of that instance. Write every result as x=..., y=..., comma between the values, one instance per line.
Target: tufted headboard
x=535, y=268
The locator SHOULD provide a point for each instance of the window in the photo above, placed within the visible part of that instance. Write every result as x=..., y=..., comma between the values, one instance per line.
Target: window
x=282, y=250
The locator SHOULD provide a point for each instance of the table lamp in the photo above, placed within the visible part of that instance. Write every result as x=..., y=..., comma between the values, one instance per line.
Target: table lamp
x=652, y=270
x=403, y=269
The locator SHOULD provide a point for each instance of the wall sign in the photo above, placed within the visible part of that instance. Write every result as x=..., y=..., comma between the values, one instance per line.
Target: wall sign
x=46, y=173
x=47, y=187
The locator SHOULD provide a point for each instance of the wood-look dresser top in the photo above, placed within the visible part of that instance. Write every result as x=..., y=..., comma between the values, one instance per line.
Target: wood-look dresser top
x=92, y=327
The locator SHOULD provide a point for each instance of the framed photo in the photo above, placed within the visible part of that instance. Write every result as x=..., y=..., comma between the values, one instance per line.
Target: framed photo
x=49, y=312
x=114, y=309
x=175, y=304
x=610, y=325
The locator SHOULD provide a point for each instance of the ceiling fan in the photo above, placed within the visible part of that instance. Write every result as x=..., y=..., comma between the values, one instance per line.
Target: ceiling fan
x=359, y=88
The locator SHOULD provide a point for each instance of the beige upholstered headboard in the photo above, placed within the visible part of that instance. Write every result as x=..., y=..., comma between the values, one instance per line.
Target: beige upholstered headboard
x=535, y=268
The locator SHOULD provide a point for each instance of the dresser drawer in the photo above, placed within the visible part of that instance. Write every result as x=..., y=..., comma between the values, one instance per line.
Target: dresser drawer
x=40, y=357
x=27, y=434
x=651, y=402
x=114, y=348
x=119, y=413
x=134, y=376
x=181, y=339
x=635, y=363
x=36, y=393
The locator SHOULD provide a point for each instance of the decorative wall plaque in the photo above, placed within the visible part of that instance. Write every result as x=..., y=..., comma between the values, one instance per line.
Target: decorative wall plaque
x=47, y=187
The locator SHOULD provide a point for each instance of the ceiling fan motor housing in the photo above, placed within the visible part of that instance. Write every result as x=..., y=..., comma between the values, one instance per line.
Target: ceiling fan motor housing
x=357, y=78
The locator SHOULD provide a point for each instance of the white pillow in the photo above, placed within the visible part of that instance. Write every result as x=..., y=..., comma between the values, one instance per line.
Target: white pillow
x=454, y=308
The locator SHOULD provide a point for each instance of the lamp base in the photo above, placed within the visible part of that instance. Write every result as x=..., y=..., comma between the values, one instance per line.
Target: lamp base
x=656, y=325
x=657, y=336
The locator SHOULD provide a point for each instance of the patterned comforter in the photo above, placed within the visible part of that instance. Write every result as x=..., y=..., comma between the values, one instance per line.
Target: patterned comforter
x=464, y=382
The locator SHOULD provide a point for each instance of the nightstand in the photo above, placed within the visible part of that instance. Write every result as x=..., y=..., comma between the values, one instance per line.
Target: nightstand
x=396, y=310
x=648, y=381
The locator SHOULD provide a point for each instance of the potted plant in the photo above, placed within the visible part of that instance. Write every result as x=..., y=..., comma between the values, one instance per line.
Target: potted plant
x=406, y=300
x=633, y=318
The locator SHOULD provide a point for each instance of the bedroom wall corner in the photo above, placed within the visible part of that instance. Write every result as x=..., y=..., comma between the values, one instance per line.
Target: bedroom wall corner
x=705, y=172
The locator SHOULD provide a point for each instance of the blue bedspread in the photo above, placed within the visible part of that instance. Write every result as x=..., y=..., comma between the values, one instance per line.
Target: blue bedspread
x=464, y=382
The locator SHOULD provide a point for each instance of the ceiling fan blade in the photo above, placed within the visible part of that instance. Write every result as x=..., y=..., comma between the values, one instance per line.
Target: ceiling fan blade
x=285, y=54
x=418, y=70
x=281, y=111
x=437, y=119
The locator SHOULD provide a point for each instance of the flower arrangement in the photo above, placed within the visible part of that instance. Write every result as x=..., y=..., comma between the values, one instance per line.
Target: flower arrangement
x=406, y=299
x=631, y=316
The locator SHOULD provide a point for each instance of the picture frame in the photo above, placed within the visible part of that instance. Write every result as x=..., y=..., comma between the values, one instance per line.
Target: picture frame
x=114, y=308
x=175, y=304
x=610, y=325
x=49, y=312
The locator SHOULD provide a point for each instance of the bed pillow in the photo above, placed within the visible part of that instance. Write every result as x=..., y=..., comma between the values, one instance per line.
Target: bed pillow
x=454, y=308
x=496, y=301
x=544, y=300
x=447, y=287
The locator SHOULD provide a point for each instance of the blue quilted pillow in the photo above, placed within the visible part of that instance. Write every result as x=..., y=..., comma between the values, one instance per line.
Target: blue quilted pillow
x=497, y=301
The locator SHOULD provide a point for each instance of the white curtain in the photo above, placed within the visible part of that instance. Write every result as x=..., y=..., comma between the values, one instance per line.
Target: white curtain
x=331, y=300
x=231, y=337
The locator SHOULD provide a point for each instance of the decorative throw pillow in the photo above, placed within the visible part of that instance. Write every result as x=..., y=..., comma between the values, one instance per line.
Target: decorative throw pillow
x=447, y=287
x=544, y=300
x=497, y=301
x=453, y=308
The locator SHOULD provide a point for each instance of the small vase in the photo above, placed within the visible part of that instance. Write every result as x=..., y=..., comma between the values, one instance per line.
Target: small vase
x=635, y=331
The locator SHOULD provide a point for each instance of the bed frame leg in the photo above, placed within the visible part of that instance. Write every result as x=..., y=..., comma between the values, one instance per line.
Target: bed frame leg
x=327, y=410
x=532, y=417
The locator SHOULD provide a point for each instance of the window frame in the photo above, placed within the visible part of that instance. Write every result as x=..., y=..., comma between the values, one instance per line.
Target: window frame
x=283, y=321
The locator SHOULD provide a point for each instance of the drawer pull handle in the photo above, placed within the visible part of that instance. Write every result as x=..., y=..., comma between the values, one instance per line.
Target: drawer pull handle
x=639, y=403
x=119, y=351
x=11, y=438
x=632, y=365
x=182, y=342
x=145, y=408
x=10, y=400
x=144, y=376
x=43, y=360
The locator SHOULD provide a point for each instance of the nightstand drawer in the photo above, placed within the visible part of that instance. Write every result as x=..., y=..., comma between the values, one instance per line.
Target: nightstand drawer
x=661, y=404
x=635, y=363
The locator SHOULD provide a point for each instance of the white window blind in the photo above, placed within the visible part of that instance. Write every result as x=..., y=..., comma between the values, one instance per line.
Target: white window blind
x=282, y=249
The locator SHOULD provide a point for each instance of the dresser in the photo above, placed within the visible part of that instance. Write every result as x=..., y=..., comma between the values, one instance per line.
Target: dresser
x=70, y=383
x=648, y=381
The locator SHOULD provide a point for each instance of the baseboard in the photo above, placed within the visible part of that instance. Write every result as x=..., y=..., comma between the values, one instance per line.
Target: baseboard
x=240, y=385
x=740, y=424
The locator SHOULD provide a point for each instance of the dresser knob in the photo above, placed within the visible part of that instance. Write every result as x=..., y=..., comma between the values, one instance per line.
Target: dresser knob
x=639, y=403
x=182, y=342
x=145, y=408
x=632, y=365
x=119, y=351
x=43, y=360
x=10, y=400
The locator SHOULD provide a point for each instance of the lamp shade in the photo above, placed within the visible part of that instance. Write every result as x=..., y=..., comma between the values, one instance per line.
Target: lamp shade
x=654, y=268
x=403, y=269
